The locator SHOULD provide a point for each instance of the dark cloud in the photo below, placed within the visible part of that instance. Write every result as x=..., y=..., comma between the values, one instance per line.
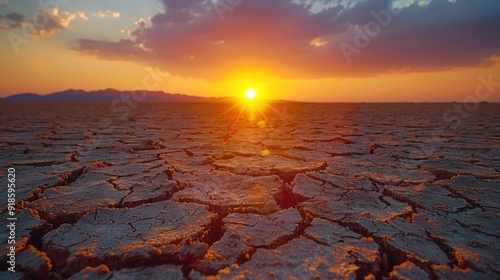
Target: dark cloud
x=16, y=19
x=191, y=38
x=123, y=49
x=43, y=22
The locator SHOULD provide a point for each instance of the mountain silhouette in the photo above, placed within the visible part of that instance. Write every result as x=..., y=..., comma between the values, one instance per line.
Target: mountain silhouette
x=107, y=95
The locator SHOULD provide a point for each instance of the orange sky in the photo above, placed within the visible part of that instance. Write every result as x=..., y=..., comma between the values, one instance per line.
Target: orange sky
x=304, y=63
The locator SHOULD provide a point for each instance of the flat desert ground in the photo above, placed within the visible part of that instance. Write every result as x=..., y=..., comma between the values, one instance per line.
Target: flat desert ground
x=196, y=191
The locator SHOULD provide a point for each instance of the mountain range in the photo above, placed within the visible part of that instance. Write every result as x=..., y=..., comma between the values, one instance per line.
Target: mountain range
x=107, y=95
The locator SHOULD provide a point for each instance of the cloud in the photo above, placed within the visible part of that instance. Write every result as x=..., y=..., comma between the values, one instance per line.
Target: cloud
x=141, y=22
x=123, y=49
x=82, y=15
x=53, y=21
x=45, y=22
x=301, y=39
x=106, y=14
x=15, y=19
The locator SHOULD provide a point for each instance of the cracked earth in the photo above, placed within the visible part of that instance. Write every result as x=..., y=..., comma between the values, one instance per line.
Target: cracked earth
x=172, y=191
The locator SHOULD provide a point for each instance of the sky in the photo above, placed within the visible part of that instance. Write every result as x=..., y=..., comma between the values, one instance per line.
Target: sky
x=305, y=50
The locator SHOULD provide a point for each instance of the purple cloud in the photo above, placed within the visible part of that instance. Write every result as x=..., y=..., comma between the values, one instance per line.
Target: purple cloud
x=287, y=39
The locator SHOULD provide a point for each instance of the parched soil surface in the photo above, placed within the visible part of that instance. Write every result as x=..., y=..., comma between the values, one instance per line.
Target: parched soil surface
x=305, y=191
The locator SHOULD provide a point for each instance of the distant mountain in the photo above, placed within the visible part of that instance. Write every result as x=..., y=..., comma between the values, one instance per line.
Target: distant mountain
x=106, y=95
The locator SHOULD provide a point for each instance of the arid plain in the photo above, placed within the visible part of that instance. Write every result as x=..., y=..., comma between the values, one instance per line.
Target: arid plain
x=302, y=191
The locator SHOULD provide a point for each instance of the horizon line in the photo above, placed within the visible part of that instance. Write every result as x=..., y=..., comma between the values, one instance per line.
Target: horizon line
x=220, y=98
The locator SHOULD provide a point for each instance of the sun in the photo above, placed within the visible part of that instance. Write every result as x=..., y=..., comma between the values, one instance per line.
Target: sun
x=251, y=93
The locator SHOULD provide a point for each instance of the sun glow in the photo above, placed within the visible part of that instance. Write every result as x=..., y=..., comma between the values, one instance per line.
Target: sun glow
x=253, y=108
x=251, y=93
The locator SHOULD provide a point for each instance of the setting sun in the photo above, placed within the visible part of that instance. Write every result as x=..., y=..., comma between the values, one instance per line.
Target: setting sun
x=251, y=93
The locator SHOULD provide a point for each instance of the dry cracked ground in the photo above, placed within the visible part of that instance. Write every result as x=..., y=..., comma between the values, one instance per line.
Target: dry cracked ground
x=311, y=191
